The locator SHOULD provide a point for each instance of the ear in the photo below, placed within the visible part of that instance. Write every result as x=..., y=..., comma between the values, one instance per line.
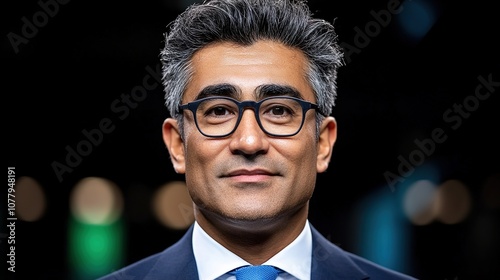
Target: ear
x=327, y=138
x=175, y=144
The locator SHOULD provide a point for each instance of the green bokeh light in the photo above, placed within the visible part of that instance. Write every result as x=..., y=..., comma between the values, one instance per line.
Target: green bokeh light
x=94, y=250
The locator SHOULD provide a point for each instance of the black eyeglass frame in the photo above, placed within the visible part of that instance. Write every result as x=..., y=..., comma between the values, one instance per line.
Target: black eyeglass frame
x=255, y=105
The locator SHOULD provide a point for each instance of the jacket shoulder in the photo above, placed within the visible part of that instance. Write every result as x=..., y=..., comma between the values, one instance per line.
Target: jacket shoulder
x=172, y=263
x=332, y=262
x=136, y=270
x=376, y=271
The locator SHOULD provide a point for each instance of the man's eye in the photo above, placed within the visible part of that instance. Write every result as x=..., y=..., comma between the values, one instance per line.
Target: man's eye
x=278, y=111
x=218, y=111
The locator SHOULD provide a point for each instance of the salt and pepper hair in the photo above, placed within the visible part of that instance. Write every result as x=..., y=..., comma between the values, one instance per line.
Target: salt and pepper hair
x=245, y=22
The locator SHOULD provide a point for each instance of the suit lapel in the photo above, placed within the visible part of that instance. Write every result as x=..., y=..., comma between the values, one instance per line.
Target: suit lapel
x=176, y=262
x=331, y=262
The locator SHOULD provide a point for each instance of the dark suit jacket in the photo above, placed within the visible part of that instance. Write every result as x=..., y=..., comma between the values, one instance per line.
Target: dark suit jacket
x=328, y=262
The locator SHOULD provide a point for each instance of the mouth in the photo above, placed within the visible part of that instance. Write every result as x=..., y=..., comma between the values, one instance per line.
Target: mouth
x=250, y=175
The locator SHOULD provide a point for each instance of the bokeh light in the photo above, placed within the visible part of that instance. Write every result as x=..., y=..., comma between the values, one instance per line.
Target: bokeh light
x=96, y=236
x=453, y=202
x=382, y=231
x=418, y=202
x=96, y=200
x=30, y=199
x=417, y=18
x=95, y=249
x=172, y=205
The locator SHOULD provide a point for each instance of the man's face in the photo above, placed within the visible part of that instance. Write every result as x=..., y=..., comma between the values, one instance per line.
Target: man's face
x=249, y=175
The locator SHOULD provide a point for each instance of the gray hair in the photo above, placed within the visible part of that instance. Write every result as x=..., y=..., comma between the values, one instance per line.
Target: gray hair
x=244, y=22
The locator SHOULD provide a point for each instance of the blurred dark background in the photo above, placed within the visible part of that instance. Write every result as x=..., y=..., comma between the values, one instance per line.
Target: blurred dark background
x=414, y=183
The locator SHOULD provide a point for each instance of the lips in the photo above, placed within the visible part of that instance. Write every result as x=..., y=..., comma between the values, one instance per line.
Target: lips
x=250, y=175
x=246, y=172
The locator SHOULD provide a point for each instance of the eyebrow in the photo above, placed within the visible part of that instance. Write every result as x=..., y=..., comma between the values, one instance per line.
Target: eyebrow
x=226, y=90
x=268, y=90
x=261, y=92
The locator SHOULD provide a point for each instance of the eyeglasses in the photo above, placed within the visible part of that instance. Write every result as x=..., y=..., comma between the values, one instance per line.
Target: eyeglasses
x=280, y=116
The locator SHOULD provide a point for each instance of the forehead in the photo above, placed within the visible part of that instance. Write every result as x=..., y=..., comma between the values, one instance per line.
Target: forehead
x=248, y=67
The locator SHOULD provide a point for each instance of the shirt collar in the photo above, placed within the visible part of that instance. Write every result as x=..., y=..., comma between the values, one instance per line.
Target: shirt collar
x=296, y=258
x=214, y=260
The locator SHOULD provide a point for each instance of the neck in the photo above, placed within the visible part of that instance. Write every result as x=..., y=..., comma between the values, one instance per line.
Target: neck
x=254, y=241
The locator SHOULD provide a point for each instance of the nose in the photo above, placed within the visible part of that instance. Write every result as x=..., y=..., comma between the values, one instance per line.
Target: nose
x=249, y=139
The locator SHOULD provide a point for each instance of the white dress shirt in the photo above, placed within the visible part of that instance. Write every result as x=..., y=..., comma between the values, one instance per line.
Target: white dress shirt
x=214, y=261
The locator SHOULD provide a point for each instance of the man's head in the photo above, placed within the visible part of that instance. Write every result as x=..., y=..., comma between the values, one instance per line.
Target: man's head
x=250, y=51
x=244, y=22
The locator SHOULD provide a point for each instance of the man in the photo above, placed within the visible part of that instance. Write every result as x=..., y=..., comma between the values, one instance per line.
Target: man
x=250, y=85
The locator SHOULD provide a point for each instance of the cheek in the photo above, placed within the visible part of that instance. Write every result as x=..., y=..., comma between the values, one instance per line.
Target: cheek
x=201, y=155
x=302, y=149
x=193, y=151
x=196, y=169
x=299, y=158
x=196, y=155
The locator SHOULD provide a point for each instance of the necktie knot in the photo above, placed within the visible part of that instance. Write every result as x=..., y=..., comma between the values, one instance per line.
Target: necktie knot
x=256, y=272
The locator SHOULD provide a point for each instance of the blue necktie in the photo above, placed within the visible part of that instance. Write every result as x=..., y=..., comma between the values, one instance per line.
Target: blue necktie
x=256, y=272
